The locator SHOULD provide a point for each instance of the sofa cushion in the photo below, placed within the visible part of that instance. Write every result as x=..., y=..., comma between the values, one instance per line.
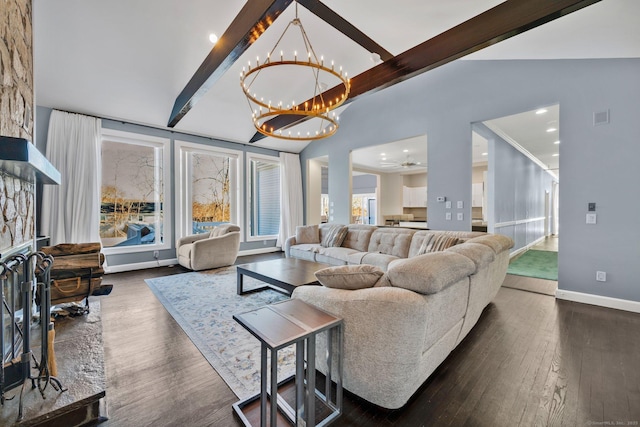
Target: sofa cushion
x=341, y=254
x=481, y=255
x=334, y=236
x=430, y=273
x=349, y=277
x=436, y=243
x=358, y=236
x=305, y=251
x=307, y=234
x=391, y=241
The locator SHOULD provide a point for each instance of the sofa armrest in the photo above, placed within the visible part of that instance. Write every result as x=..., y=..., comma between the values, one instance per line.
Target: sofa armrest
x=384, y=328
x=191, y=238
x=287, y=245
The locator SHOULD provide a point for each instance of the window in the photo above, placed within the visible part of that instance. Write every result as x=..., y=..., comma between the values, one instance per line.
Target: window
x=133, y=213
x=209, y=184
x=263, y=175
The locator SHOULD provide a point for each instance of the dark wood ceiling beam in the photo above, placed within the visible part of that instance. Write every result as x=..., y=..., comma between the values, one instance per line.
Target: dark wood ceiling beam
x=252, y=21
x=506, y=20
x=345, y=27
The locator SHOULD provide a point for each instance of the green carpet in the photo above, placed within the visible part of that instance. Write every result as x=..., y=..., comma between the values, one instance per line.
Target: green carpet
x=533, y=263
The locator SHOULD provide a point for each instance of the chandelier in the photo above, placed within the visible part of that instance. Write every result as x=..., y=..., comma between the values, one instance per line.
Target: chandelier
x=314, y=116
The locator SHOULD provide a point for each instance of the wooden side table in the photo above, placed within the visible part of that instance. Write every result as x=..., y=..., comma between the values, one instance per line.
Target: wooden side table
x=277, y=326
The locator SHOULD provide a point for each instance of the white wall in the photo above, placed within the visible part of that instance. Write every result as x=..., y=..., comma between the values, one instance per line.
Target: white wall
x=598, y=164
x=390, y=195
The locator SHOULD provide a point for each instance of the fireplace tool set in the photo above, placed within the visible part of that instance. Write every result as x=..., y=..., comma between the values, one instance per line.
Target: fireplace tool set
x=21, y=275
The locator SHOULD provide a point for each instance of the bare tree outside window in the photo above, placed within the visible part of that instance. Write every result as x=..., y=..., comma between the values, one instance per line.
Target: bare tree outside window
x=132, y=195
x=211, y=200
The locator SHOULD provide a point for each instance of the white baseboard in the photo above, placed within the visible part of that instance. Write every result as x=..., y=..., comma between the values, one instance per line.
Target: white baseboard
x=260, y=251
x=173, y=261
x=140, y=265
x=618, y=304
x=524, y=248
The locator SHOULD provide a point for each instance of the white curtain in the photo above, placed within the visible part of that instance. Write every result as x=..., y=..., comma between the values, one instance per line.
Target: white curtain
x=71, y=210
x=290, y=196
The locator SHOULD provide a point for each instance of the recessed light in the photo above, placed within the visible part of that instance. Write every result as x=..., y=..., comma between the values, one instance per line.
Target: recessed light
x=382, y=154
x=557, y=142
x=213, y=38
x=384, y=158
x=555, y=155
x=405, y=151
x=485, y=154
x=552, y=130
x=541, y=111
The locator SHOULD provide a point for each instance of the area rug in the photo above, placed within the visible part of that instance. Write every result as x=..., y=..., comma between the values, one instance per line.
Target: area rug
x=534, y=263
x=203, y=304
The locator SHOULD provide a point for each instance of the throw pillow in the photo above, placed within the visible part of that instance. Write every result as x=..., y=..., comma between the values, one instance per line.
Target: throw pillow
x=349, y=277
x=307, y=234
x=425, y=244
x=437, y=243
x=334, y=236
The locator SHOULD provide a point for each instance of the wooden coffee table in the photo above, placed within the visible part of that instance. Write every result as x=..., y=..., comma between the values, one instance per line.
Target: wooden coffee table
x=282, y=274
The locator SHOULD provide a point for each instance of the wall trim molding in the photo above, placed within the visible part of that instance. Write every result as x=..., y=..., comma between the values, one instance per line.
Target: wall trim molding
x=599, y=300
x=518, y=222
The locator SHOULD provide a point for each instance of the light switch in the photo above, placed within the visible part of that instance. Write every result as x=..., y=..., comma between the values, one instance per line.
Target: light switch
x=460, y=216
x=447, y=216
x=591, y=218
x=460, y=204
x=448, y=204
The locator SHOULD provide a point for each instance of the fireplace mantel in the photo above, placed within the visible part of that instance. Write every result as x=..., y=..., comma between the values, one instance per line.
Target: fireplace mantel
x=21, y=158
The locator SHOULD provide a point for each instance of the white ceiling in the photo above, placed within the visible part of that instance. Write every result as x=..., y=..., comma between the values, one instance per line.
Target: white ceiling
x=536, y=131
x=129, y=59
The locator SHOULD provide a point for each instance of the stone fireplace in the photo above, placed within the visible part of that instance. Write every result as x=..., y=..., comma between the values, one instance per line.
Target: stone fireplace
x=17, y=197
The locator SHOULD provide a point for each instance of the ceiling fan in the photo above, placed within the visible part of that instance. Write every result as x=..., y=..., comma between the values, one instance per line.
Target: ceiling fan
x=406, y=163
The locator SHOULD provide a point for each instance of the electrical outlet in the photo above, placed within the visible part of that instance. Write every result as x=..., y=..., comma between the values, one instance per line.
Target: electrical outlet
x=447, y=216
x=601, y=276
x=156, y=254
x=460, y=216
x=460, y=204
x=447, y=204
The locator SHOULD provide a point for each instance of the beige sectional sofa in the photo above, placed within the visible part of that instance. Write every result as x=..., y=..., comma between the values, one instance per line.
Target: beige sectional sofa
x=404, y=323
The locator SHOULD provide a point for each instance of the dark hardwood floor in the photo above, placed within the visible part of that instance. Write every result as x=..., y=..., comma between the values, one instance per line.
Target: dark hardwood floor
x=530, y=360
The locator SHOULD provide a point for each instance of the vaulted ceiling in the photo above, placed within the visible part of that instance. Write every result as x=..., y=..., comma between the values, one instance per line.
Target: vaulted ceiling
x=132, y=60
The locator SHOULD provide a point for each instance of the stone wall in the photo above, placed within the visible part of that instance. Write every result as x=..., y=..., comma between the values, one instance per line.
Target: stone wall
x=16, y=102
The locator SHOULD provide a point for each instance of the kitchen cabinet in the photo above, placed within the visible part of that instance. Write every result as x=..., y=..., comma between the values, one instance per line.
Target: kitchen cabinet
x=477, y=193
x=414, y=197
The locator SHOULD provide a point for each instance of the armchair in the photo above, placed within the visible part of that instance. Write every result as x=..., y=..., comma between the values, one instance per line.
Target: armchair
x=209, y=250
